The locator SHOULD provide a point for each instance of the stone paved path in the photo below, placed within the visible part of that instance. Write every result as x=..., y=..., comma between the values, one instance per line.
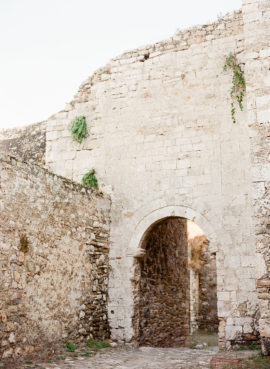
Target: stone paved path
x=142, y=358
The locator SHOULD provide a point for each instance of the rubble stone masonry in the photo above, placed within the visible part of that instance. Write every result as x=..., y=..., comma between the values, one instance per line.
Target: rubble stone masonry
x=163, y=294
x=26, y=143
x=208, y=319
x=53, y=259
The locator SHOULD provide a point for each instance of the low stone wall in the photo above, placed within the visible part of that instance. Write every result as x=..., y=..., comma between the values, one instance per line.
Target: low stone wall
x=263, y=288
x=26, y=143
x=53, y=259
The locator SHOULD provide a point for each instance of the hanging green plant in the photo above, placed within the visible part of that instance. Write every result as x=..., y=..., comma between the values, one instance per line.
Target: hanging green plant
x=89, y=179
x=238, y=83
x=78, y=128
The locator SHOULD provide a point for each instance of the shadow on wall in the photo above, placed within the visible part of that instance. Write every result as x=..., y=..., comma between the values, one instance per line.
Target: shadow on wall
x=175, y=286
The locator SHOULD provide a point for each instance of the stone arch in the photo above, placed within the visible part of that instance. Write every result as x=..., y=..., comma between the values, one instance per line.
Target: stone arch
x=161, y=285
x=136, y=249
x=121, y=305
x=145, y=222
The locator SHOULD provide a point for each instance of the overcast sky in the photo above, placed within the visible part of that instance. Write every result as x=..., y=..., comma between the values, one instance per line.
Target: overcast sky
x=48, y=47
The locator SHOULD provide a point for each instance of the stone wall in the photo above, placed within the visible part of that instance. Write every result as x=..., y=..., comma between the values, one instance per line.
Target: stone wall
x=257, y=70
x=207, y=317
x=161, y=137
x=163, y=293
x=26, y=143
x=203, y=282
x=263, y=288
x=53, y=260
x=162, y=140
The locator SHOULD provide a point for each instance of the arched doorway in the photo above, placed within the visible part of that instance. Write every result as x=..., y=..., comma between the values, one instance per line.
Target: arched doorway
x=175, y=287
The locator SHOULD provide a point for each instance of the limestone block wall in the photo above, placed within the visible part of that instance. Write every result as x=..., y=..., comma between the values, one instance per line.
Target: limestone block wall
x=257, y=69
x=53, y=260
x=26, y=143
x=162, y=142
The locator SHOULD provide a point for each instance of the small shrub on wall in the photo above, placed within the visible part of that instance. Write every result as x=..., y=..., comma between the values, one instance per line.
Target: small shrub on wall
x=89, y=179
x=24, y=244
x=78, y=129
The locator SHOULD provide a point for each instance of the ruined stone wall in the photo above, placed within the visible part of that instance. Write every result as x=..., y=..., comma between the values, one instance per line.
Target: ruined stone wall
x=161, y=135
x=207, y=317
x=203, y=281
x=53, y=260
x=163, y=291
x=257, y=70
x=25, y=143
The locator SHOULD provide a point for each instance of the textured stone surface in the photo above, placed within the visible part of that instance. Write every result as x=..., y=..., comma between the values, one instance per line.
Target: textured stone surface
x=257, y=69
x=53, y=259
x=163, y=144
x=26, y=143
x=149, y=358
x=162, y=140
x=164, y=286
x=208, y=318
x=203, y=282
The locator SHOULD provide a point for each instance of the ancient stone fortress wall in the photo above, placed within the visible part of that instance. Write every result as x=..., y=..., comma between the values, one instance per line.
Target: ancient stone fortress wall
x=257, y=70
x=26, y=143
x=163, y=144
x=53, y=259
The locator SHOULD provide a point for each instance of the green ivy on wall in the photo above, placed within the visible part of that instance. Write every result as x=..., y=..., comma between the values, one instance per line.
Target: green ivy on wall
x=78, y=129
x=238, y=83
x=89, y=179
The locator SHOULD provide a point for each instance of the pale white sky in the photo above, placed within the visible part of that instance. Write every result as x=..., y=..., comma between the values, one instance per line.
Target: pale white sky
x=48, y=47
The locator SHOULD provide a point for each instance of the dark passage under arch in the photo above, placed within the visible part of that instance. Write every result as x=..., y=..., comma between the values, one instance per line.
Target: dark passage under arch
x=163, y=300
x=167, y=310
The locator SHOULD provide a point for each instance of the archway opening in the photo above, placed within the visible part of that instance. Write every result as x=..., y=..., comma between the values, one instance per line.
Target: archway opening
x=175, y=289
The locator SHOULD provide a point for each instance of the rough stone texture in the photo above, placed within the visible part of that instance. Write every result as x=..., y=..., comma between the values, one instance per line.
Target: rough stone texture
x=53, y=259
x=26, y=143
x=203, y=282
x=164, y=286
x=257, y=69
x=152, y=358
x=163, y=143
x=208, y=319
x=263, y=288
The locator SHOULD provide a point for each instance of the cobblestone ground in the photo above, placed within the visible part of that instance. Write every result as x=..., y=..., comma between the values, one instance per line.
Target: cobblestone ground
x=141, y=358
